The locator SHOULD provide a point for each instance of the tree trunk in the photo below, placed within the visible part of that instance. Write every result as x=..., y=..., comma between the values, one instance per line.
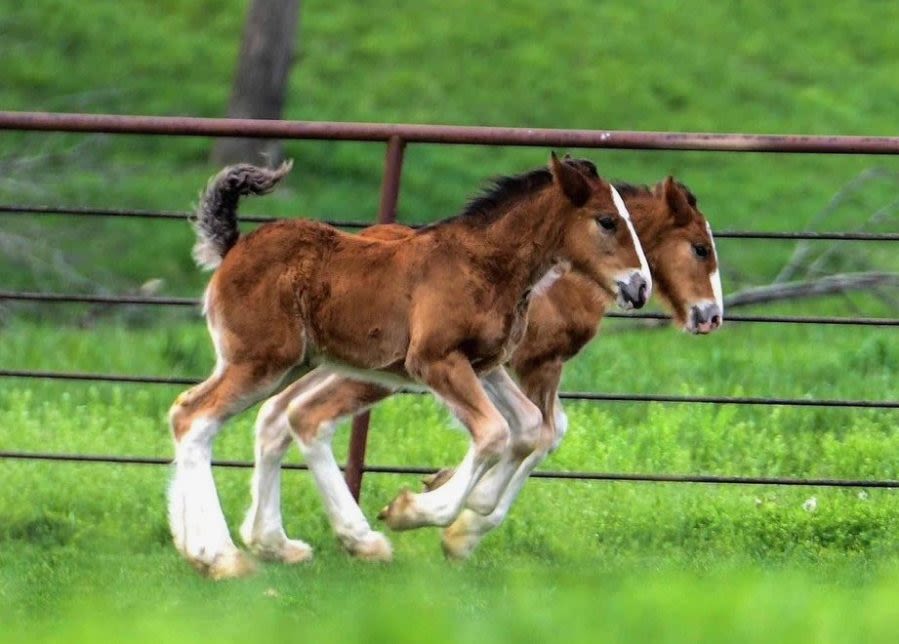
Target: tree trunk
x=260, y=84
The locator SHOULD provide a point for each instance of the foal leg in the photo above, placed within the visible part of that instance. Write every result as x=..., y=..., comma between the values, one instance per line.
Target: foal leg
x=462, y=537
x=195, y=514
x=525, y=420
x=454, y=381
x=262, y=529
x=313, y=417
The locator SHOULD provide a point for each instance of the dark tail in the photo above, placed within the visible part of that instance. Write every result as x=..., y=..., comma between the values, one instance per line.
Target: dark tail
x=216, y=219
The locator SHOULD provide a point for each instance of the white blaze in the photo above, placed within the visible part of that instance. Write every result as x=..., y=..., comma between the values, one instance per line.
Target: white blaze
x=622, y=211
x=715, y=278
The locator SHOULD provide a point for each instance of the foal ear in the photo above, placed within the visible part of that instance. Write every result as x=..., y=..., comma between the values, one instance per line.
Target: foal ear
x=572, y=182
x=677, y=201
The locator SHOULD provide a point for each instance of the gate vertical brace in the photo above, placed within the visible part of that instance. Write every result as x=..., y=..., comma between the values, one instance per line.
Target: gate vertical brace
x=390, y=190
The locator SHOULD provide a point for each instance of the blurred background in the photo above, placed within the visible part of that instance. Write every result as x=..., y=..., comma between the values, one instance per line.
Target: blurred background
x=642, y=65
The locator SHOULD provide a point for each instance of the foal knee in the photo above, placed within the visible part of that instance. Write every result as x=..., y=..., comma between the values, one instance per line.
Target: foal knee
x=530, y=424
x=493, y=437
x=560, y=427
x=180, y=417
x=188, y=408
x=194, y=426
x=272, y=430
x=308, y=428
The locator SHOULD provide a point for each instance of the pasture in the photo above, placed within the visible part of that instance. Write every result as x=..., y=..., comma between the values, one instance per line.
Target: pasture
x=85, y=551
x=92, y=539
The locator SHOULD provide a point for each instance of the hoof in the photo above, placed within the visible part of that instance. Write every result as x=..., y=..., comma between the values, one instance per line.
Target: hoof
x=458, y=547
x=435, y=480
x=373, y=547
x=231, y=565
x=462, y=537
x=295, y=551
x=400, y=515
x=288, y=551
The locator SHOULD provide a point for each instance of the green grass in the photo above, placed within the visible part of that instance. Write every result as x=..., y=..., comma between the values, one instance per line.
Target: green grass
x=84, y=549
x=93, y=539
x=464, y=605
x=438, y=602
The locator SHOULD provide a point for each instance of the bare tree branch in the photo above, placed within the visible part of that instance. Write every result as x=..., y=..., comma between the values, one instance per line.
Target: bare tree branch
x=804, y=249
x=812, y=288
x=881, y=215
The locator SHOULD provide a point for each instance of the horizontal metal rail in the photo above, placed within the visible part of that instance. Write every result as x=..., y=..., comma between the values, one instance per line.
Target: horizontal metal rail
x=569, y=395
x=729, y=400
x=767, y=319
x=76, y=211
x=539, y=474
x=98, y=377
x=169, y=215
x=808, y=235
x=75, y=298
x=398, y=136
x=147, y=300
x=446, y=134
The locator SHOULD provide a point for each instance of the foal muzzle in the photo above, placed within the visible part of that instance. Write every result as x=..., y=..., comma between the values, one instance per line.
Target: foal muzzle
x=704, y=318
x=633, y=292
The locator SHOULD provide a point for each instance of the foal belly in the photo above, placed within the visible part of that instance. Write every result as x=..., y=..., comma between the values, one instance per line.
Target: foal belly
x=391, y=377
x=362, y=330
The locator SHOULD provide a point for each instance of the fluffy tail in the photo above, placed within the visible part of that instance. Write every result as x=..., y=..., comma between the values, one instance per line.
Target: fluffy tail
x=216, y=219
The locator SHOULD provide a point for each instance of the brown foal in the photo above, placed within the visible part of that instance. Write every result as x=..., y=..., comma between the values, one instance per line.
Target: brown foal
x=563, y=317
x=443, y=308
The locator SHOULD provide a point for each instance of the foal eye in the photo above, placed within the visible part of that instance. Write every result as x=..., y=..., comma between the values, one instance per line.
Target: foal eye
x=701, y=250
x=607, y=222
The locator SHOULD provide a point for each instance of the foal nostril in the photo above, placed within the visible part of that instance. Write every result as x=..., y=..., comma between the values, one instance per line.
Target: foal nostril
x=716, y=320
x=637, y=290
x=634, y=291
x=641, y=296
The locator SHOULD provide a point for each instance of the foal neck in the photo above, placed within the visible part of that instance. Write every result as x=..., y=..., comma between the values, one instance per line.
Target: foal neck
x=526, y=239
x=513, y=229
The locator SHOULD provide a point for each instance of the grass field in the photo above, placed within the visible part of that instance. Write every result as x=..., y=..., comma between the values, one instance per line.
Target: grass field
x=85, y=552
x=92, y=539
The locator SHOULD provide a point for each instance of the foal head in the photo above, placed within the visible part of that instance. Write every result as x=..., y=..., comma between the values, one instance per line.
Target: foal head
x=680, y=247
x=600, y=241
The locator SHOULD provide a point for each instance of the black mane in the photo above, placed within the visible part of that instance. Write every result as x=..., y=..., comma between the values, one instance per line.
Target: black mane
x=691, y=198
x=493, y=201
x=503, y=191
x=631, y=189
x=635, y=190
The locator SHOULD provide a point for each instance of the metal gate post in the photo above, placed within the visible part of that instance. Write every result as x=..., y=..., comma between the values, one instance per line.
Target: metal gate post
x=390, y=190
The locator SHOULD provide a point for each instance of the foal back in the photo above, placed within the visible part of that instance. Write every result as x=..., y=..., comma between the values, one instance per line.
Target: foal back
x=296, y=286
